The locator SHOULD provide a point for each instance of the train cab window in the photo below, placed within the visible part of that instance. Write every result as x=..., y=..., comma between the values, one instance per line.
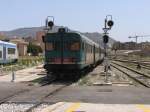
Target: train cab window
x=49, y=46
x=11, y=50
x=0, y=54
x=67, y=45
x=57, y=45
x=75, y=46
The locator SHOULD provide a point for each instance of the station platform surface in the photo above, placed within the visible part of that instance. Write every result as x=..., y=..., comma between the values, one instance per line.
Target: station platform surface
x=90, y=107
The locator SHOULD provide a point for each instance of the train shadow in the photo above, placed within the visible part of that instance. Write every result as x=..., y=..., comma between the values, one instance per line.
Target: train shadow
x=64, y=78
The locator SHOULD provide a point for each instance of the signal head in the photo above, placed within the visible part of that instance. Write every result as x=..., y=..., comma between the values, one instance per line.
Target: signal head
x=105, y=38
x=110, y=23
x=43, y=37
x=50, y=24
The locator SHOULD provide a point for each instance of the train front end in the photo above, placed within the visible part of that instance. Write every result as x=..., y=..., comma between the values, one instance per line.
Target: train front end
x=62, y=52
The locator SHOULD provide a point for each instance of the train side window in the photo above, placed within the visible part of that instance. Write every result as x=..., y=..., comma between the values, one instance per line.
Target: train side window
x=83, y=46
x=49, y=46
x=90, y=48
x=87, y=47
x=0, y=54
x=11, y=50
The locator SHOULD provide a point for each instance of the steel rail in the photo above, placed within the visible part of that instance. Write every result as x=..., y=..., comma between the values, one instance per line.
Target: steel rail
x=132, y=77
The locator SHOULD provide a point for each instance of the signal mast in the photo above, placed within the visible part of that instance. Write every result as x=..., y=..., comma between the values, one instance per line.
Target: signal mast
x=107, y=26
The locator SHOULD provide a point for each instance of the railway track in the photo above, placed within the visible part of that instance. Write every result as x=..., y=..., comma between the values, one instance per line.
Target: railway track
x=31, y=109
x=141, y=78
x=50, y=94
x=132, y=61
x=6, y=99
x=143, y=65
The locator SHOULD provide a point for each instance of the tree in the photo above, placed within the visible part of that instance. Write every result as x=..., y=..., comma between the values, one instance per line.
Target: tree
x=34, y=49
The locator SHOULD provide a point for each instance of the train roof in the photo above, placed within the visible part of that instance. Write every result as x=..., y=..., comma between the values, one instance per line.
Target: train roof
x=7, y=43
x=89, y=41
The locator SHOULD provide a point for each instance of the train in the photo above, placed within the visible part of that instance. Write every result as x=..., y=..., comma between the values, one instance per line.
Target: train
x=70, y=52
x=8, y=52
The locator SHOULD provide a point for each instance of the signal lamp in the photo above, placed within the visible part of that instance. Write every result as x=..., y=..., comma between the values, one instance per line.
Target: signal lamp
x=105, y=38
x=43, y=38
x=50, y=24
x=110, y=23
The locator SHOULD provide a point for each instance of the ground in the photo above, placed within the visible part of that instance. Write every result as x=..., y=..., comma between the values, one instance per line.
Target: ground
x=85, y=95
x=24, y=75
x=88, y=107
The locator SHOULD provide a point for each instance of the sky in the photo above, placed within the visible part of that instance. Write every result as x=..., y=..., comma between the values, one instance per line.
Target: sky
x=131, y=17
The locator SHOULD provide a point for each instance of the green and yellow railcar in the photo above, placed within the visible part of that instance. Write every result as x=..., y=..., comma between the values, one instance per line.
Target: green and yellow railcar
x=70, y=52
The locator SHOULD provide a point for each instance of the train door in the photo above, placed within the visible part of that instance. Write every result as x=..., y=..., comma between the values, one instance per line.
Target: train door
x=62, y=47
x=1, y=53
x=4, y=54
x=94, y=52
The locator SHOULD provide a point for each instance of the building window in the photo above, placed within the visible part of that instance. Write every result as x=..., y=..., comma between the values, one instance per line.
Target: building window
x=11, y=50
x=83, y=46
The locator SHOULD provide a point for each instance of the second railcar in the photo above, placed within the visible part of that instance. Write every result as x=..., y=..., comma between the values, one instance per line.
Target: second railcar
x=8, y=52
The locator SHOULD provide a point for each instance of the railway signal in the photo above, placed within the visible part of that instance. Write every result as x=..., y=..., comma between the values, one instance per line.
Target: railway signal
x=49, y=24
x=107, y=26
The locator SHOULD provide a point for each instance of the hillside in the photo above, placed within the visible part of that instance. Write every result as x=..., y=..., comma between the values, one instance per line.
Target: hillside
x=31, y=32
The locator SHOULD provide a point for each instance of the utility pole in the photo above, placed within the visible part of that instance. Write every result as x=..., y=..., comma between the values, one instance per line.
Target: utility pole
x=108, y=23
x=136, y=37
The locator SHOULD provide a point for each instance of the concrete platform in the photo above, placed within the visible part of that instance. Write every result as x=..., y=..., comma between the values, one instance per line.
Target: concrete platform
x=89, y=107
x=102, y=94
x=25, y=75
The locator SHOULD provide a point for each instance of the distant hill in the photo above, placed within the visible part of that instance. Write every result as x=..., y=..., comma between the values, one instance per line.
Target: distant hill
x=31, y=32
x=24, y=32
